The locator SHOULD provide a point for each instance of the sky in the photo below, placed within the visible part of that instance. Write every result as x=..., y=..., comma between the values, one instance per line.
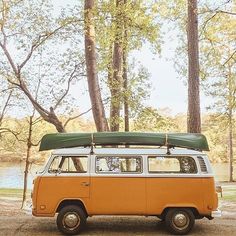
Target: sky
x=168, y=89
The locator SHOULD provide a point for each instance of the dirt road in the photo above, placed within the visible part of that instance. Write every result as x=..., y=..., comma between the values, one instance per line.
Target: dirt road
x=15, y=222
x=112, y=226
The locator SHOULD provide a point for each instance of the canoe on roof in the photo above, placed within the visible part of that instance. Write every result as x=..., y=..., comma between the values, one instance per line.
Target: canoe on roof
x=68, y=140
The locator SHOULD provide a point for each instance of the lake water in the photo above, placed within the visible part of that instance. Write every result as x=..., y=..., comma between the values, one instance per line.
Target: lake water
x=12, y=174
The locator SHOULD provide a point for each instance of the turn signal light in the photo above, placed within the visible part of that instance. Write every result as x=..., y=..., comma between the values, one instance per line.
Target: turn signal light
x=42, y=207
x=209, y=207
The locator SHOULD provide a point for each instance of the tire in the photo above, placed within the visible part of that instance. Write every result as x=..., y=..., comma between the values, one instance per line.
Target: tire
x=179, y=221
x=71, y=220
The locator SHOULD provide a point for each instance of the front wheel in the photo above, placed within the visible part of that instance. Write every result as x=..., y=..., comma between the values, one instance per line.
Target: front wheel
x=179, y=221
x=71, y=220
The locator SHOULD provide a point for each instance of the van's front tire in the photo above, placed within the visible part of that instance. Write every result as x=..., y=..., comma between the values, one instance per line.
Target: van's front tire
x=179, y=221
x=71, y=220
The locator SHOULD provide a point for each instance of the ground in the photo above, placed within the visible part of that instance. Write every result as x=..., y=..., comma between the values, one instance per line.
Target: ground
x=20, y=222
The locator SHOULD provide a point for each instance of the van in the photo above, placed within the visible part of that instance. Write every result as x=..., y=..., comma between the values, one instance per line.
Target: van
x=175, y=184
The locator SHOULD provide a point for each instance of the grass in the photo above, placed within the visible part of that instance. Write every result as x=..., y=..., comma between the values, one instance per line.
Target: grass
x=12, y=192
x=229, y=193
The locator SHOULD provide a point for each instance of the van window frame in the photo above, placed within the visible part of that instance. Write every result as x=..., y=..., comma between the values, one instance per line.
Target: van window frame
x=119, y=173
x=172, y=173
x=68, y=173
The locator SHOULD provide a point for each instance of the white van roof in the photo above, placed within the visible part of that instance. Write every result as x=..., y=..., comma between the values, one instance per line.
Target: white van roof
x=124, y=151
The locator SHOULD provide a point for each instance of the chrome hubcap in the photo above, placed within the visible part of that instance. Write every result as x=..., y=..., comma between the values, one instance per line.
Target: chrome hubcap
x=71, y=220
x=180, y=220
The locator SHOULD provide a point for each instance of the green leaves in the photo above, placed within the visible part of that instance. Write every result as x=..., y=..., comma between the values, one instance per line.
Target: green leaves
x=149, y=119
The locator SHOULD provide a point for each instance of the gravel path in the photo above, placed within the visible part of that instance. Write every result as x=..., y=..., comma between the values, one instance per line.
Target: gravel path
x=19, y=222
x=28, y=225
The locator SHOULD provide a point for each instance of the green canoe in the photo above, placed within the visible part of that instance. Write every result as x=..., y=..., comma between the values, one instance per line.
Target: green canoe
x=67, y=140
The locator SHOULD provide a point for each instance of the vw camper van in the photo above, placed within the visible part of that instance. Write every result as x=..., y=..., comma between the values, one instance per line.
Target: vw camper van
x=175, y=184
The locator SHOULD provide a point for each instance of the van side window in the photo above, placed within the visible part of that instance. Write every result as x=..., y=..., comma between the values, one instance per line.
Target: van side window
x=74, y=165
x=113, y=164
x=166, y=164
x=68, y=164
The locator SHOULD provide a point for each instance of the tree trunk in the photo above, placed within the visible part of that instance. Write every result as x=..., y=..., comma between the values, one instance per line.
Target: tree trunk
x=126, y=99
x=194, y=116
x=91, y=65
x=230, y=148
x=117, y=67
x=125, y=76
x=29, y=145
x=50, y=116
x=231, y=96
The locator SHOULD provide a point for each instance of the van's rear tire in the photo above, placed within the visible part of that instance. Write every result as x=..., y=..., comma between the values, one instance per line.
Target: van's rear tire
x=71, y=220
x=179, y=221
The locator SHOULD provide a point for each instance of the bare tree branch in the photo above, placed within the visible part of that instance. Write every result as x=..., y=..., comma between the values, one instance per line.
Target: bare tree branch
x=37, y=90
x=206, y=22
x=75, y=117
x=37, y=106
x=7, y=130
x=231, y=56
x=227, y=12
x=7, y=89
x=215, y=12
x=36, y=144
x=40, y=40
x=105, y=101
x=7, y=8
x=5, y=106
x=37, y=120
x=71, y=77
x=9, y=58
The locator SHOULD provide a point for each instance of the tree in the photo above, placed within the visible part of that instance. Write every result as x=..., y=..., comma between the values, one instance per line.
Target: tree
x=125, y=76
x=27, y=29
x=149, y=119
x=91, y=65
x=117, y=67
x=123, y=27
x=194, y=114
x=219, y=72
x=29, y=144
x=5, y=106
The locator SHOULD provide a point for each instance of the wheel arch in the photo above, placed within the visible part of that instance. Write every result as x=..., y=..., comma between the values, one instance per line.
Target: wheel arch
x=76, y=202
x=192, y=208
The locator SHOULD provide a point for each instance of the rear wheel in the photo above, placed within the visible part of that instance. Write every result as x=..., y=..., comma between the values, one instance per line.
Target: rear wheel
x=179, y=221
x=71, y=220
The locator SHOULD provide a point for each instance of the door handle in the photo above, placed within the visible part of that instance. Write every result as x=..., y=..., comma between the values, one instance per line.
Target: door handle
x=85, y=184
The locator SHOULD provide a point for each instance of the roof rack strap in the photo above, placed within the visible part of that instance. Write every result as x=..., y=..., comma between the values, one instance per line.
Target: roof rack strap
x=92, y=144
x=166, y=141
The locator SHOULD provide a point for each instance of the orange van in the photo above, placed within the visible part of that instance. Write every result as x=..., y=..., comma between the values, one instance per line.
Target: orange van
x=177, y=186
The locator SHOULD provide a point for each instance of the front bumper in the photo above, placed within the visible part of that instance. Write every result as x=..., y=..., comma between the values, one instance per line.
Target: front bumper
x=216, y=213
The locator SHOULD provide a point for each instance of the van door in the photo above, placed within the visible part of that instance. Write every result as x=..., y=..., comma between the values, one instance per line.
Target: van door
x=118, y=186
x=67, y=178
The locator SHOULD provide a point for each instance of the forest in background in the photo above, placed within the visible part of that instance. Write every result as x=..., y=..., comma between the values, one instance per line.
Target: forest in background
x=13, y=147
